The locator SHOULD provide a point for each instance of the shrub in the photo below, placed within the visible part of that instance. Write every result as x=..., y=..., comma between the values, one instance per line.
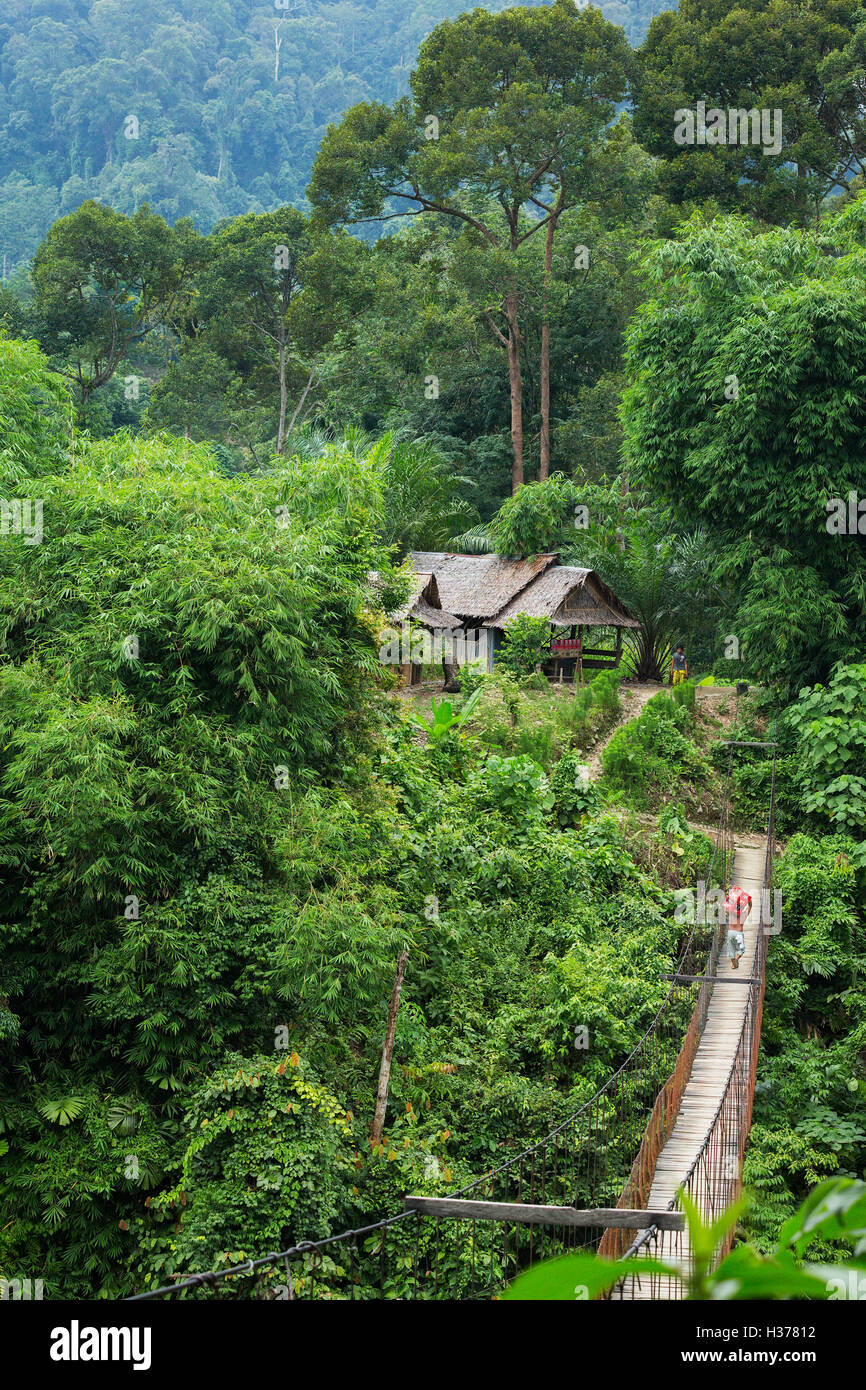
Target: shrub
x=526, y=644
x=673, y=852
x=751, y=792
x=574, y=714
x=537, y=681
x=510, y=693
x=471, y=677
x=517, y=787
x=684, y=694
x=605, y=691
x=534, y=519
x=650, y=753
x=831, y=723
x=536, y=740
x=573, y=796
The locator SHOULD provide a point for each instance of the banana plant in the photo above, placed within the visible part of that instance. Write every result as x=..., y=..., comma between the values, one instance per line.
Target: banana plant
x=444, y=719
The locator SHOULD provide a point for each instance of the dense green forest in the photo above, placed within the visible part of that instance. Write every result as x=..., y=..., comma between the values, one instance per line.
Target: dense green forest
x=200, y=108
x=250, y=360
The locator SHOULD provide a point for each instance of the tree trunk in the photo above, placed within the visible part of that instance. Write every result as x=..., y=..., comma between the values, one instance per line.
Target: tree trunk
x=544, y=458
x=278, y=43
x=515, y=382
x=297, y=411
x=450, y=670
x=385, y=1069
x=544, y=461
x=623, y=493
x=281, y=429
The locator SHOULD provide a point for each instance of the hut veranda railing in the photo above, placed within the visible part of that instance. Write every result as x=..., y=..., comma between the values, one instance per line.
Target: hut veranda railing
x=587, y=1190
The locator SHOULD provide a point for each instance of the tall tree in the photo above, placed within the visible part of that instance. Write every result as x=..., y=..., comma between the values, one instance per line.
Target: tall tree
x=804, y=61
x=747, y=412
x=103, y=282
x=505, y=116
x=252, y=279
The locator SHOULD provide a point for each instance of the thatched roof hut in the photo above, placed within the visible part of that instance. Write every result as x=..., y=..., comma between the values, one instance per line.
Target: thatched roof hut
x=422, y=604
x=566, y=596
x=478, y=587
x=490, y=590
x=487, y=591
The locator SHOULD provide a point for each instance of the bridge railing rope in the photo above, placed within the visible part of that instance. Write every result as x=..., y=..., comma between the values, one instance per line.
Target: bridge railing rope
x=585, y=1162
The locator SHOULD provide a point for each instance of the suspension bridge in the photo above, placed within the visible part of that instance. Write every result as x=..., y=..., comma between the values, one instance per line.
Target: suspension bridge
x=703, y=1154
x=674, y=1118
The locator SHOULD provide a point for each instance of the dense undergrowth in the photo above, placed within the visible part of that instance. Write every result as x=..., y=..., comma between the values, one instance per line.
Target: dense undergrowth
x=527, y=715
x=218, y=831
x=653, y=753
x=220, y=826
x=809, y=1118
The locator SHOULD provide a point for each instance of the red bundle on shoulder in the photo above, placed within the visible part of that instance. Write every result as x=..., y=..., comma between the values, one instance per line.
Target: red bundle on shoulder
x=738, y=900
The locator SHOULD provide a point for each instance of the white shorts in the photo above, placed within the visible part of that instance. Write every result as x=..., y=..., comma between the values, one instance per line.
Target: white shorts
x=736, y=944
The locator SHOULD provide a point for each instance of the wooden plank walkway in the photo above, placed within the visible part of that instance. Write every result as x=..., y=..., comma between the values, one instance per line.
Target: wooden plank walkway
x=706, y=1085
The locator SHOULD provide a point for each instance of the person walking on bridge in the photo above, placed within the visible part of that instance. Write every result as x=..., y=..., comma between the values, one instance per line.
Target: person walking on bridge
x=679, y=666
x=738, y=905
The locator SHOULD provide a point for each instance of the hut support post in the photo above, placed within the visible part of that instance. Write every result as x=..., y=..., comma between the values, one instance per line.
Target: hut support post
x=580, y=656
x=618, y=653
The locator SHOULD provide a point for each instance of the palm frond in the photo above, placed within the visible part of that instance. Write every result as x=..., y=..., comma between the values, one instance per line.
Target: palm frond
x=475, y=541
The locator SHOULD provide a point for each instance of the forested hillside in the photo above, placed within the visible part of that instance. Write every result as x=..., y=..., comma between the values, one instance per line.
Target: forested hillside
x=302, y=913
x=200, y=108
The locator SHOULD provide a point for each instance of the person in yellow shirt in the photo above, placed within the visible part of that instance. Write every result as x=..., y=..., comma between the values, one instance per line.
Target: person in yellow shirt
x=679, y=666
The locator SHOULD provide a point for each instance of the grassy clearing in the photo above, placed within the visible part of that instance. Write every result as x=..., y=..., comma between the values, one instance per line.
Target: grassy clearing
x=532, y=717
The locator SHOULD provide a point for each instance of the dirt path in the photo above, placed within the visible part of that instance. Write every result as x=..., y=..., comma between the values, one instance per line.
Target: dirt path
x=754, y=839
x=633, y=698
